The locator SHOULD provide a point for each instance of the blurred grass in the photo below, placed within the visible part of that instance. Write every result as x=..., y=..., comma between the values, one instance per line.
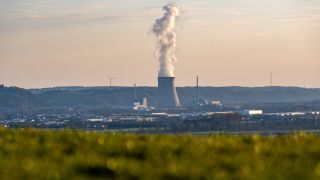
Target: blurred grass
x=45, y=154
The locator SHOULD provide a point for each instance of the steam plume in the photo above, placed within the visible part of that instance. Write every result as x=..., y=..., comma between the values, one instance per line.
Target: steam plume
x=163, y=29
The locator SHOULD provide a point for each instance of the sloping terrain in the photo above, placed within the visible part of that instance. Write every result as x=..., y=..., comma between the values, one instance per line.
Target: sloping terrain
x=124, y=96
x=13, y=98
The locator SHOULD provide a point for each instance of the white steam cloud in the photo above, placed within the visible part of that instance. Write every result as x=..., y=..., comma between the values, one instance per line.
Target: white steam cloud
x=163, y=29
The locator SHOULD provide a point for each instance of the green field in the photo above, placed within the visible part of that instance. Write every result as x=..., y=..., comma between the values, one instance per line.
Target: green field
x=46, y=154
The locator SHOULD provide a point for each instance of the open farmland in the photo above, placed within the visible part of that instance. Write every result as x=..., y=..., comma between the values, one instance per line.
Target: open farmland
x=45, y=154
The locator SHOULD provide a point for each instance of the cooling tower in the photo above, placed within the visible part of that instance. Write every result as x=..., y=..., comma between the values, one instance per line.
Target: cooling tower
x=167, y=95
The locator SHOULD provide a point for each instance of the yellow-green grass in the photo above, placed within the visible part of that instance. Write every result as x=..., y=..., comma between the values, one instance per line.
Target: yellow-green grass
x=46, y=154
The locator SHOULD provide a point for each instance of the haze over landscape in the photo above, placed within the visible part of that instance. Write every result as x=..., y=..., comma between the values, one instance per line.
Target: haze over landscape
x=137, y=89
x=47, y=43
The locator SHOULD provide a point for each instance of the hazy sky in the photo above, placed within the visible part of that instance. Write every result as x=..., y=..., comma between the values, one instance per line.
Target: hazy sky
x=46, y=43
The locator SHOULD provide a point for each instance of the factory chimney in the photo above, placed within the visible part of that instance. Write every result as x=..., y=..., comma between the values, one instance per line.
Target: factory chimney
x=167, y=95
x=198, y=100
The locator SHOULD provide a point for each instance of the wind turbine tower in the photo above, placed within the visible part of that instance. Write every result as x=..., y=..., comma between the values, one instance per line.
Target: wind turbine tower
x=110, y=79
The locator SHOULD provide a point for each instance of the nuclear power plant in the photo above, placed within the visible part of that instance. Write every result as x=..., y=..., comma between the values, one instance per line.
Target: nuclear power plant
x=167, y=96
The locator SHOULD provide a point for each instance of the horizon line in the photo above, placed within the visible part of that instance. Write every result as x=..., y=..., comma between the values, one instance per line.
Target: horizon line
x=150, y=86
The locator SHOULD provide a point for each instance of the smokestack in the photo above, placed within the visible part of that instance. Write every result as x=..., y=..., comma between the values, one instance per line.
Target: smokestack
x=198, y=102
x=167, y=95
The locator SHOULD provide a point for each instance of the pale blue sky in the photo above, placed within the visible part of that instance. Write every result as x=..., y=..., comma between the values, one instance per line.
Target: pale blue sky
x=226, y=42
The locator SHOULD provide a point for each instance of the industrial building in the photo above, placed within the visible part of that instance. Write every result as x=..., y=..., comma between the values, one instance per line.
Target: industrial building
x=251, y=112
x=167, y=96
x=141, y=106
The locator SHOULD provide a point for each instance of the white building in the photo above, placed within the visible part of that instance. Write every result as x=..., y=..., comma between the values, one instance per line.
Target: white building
x=251, y=112
x=139, y=106
x=145, y=102
x=216, y=103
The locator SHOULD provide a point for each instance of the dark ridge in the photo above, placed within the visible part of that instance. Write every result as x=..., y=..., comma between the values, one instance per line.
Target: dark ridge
x=18, y=99
x=14, y=98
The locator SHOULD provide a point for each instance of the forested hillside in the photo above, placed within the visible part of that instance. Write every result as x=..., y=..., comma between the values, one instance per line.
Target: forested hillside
x=13, y=98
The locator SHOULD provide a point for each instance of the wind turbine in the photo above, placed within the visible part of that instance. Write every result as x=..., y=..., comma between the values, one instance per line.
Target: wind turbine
x=110, y=79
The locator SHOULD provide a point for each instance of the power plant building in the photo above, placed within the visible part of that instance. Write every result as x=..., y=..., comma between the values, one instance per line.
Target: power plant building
x=167, y=96
x=141, y=106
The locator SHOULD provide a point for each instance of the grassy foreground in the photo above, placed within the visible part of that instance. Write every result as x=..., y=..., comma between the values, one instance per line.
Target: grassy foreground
x=44, y=154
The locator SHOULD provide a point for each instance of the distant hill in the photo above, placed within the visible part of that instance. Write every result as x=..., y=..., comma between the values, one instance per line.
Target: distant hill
x=255, y=94
x=109, y=97
x=91, y=97
x=123, y=96
x=14, y=98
